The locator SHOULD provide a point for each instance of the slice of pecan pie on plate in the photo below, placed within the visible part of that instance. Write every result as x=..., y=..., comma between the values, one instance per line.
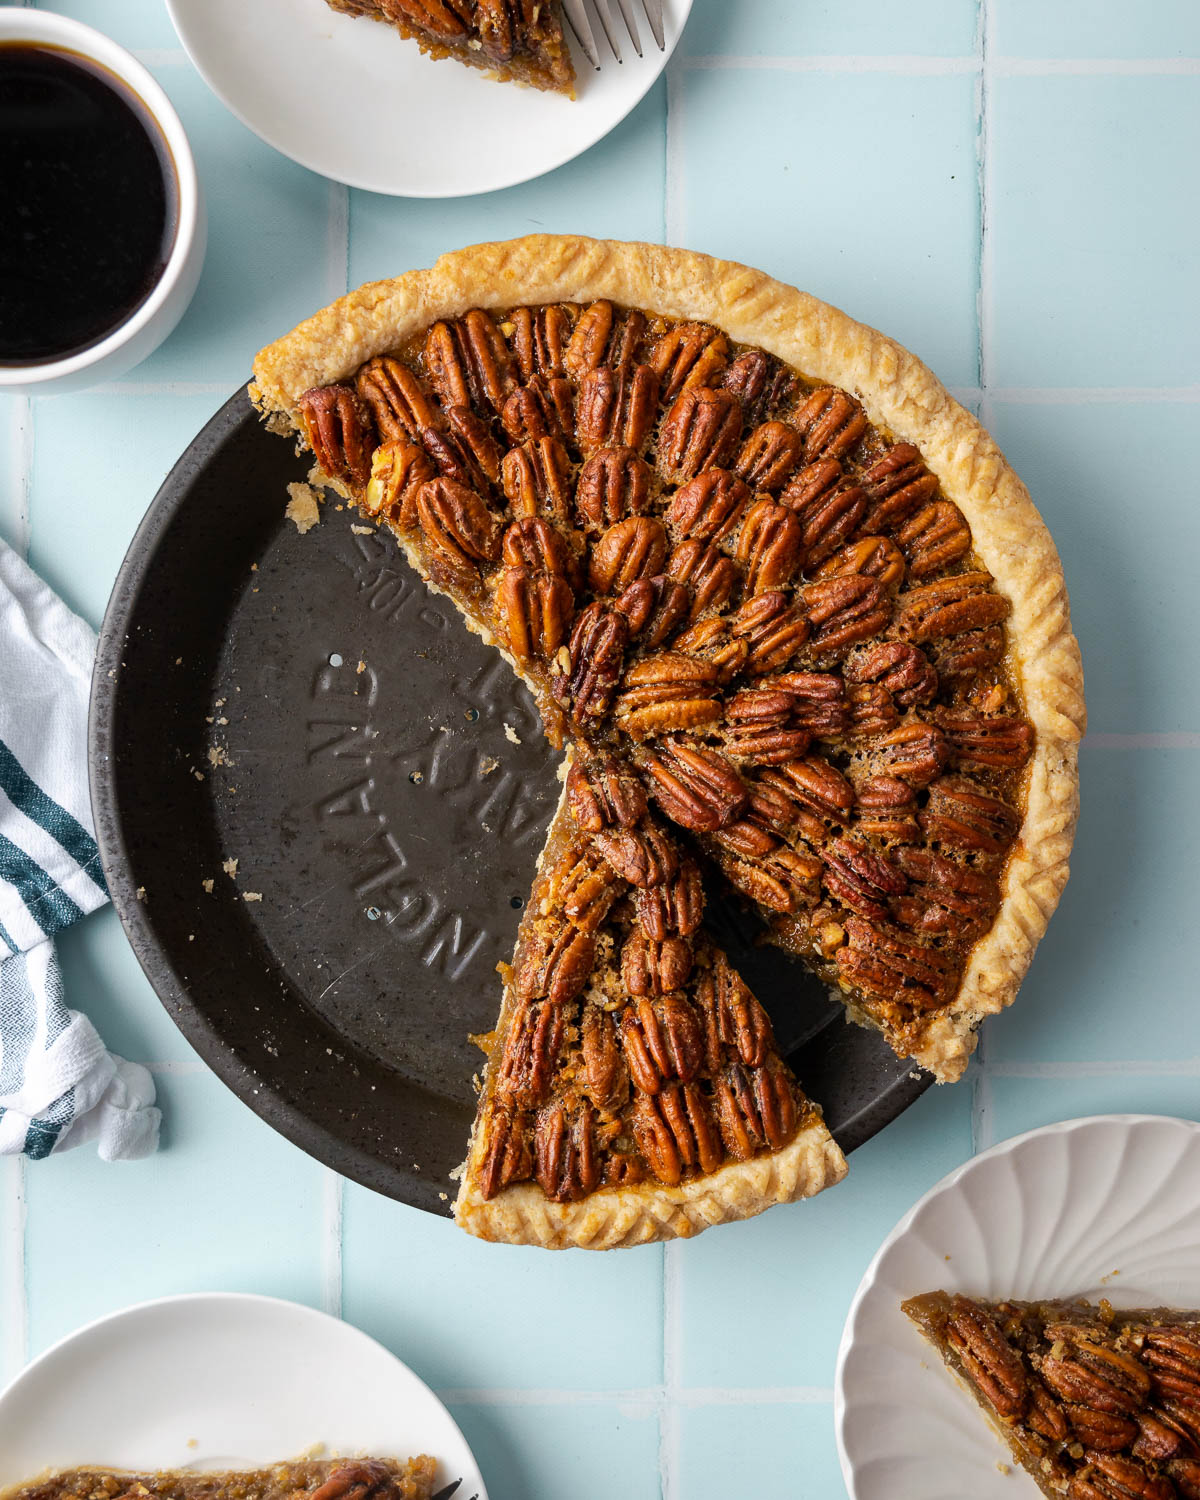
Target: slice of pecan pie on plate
x=512, y=40
x=752, y=555
x=1095, y=1404
x=300, y=1479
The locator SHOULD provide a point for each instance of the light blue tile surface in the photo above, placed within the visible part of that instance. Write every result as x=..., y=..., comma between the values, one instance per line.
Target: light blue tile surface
x=783, y=1449
x=1097, y=28
x=522, y=1317
x=823, y=28
x=1134, y=602
x=768, y=1328
x=858, y=179
x=226, y=1205
x=900, y=253
x=1096, y=256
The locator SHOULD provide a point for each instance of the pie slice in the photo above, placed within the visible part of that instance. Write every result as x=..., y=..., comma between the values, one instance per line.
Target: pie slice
x=753, y=553
x=512, y=40
x=1095, y=1404
x=300, y=1479
x=634, y=1091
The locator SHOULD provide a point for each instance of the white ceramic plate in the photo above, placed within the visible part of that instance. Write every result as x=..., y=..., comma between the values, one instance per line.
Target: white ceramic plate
x=217, y=1380
x=1102, y=1207
x=355, y=101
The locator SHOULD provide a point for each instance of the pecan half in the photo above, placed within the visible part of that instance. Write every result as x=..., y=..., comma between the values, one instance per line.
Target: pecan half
x=845, y=610
x=398, y=470
x=961, y=814
x=536, y=477
x=338, y=428
x=534, y=612
x=755, y=1107
x=663, y=1041
x=898, y=483
x=396, y=398
x=893, y=966
x=457, y=525
x=762, y=383
x=468, y=362
x=669, y=691
x=746, y=840
x=649, y=967
x=870, y=711
x=760, y=727
x=534, y=543
x=690, y=354
x=587, y=680
x=872, y=556
x=773, y=628
x=711, y=576
x=948, y=899
x=567, y=1162
x=949, y=606
x=818, y=698
x=769, y=546
x=674, y=908
x=783, y=880
x=463, y=449
x=916, y=752
x=654, y=607
x=968, y=655
x=605, y=1076
x=696, y=787
x=709, y=640
x=1003, y=742
x=699, y=431
x=539, y=337
x=987, y=1356
x=861, y=879
x=545, y=407
x=555, y=963
x=709, y=507
x=903, y=669
x=830, y=423
x=1109, y=1476
x=630, y=550
x=1077, y=1369
x=531, y=1054
x=819, y=787
x=508, y=1158
x=934, y=538
x=734, y=1021
x=768, y=456
x=887, y=809
x=616, y=407
x=583, y=887
x=1174, y=1357
x=602, y=337
x=613, y=484
x=1185, y=1472
x=1156, y=1437
x=355, y=1481
x=644, y=857
x=674, y=1131
x=603, y=793
x=1102, y=1430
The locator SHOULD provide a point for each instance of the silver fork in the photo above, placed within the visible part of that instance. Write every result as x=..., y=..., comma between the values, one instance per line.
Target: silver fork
x=576, y=12
x=444, y=1494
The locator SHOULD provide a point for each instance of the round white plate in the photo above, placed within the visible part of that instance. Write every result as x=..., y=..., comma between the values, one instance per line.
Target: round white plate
x=1103, y=1207
x=352, y=99
x=220, y=1380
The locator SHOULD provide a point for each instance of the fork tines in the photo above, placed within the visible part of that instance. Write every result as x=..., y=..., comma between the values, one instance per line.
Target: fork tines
x=580, y=22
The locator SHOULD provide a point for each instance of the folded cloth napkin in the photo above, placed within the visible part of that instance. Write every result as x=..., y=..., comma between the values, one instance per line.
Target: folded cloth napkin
x=59, y=1086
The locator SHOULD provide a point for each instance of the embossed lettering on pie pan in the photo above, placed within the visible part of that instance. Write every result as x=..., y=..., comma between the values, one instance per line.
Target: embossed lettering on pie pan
x=302, y=705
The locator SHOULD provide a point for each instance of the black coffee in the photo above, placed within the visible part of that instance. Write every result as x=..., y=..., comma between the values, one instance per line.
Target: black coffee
x=87, y=203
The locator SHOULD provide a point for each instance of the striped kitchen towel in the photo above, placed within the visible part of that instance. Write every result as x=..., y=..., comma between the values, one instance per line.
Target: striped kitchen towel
x=59, y=1086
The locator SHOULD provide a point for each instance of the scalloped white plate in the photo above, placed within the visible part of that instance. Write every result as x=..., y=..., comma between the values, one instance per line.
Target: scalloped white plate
x=1101, y=1207
x=218, y=1380
x=351, y=99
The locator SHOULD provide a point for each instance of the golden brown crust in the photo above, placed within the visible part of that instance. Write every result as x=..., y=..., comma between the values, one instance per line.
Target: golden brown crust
x=899, y=395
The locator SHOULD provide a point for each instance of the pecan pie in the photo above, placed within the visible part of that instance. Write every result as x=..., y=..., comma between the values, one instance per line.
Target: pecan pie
x=750, y=556
x=512, y=40
x=300, y=1479
x=1095, y=1404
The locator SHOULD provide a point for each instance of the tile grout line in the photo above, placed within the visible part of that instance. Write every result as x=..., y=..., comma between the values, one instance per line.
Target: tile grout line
x=337, y=242
x=332, y=1203
x=986, y=295
x=915, y=65
x=1186, y=1067
x=14, y=1290
x=668, y=1421
x=673, y=212
x=14, y=501
x=645, y=1398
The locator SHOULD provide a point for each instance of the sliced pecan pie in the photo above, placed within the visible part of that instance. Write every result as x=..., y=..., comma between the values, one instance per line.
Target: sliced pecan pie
x=512, y=40
x=299, y=1479
x=755, y=554
x=1095, y=1404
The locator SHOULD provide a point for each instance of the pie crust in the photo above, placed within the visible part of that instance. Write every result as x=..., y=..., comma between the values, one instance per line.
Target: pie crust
x=296, y=1479
x=900, y=397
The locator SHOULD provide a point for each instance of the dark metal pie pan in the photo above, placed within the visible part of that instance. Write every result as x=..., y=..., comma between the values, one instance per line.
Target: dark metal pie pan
x=304, y=706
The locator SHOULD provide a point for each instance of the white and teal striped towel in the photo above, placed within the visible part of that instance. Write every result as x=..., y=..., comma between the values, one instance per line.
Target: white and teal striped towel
x=59, y=1086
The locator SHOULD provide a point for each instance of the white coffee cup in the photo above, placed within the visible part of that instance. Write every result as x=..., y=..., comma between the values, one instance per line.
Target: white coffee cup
x=149, y=324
